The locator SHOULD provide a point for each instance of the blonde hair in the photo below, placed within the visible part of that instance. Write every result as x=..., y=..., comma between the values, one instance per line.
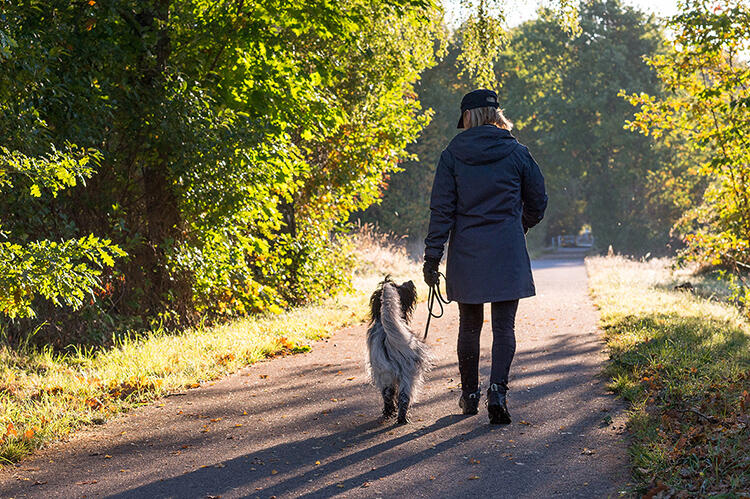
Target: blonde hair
x=487, y=116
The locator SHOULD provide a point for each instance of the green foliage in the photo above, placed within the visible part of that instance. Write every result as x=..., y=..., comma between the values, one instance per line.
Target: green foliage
x=708, y=78
x=234, y=138
x=563, y=95
x=63, y=272
x=483, y=36
x=404, y=209
x=54, y=171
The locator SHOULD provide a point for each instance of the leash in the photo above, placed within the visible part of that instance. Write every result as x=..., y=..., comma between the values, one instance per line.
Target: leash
x=434, y=295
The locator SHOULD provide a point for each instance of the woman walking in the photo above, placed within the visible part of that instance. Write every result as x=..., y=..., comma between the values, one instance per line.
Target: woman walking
x=488, y=192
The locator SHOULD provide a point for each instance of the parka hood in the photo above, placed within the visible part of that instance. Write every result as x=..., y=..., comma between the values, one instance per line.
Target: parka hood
x=482, y=144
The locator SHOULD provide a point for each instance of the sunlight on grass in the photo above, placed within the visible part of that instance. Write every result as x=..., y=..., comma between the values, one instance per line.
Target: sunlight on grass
x=45, y=395
x=683, y=363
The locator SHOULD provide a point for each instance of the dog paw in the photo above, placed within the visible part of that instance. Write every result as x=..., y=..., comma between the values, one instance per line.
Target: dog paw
x=383, y=419
x=403, y=420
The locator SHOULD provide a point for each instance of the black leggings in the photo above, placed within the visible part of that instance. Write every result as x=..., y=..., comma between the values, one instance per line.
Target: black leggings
x=471, y=317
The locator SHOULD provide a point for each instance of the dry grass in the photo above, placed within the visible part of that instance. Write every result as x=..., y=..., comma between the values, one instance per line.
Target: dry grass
x=46, y=395
x=683, y=363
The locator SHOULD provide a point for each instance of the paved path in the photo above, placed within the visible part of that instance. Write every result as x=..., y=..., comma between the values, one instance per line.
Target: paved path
x=305, y=425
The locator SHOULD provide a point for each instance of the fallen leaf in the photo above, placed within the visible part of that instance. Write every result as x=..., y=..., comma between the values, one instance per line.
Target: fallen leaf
x=86, y=482
x=273, y=472
x=107, y=456
x=474, y=477
x=263, y=376
x=587, y=452
x=656, y=490
x=350, y=378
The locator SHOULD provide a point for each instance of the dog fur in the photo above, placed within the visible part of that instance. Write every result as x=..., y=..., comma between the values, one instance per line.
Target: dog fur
x=397, y=360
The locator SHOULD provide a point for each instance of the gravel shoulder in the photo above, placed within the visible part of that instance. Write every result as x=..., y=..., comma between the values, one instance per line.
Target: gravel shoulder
x=306, y=425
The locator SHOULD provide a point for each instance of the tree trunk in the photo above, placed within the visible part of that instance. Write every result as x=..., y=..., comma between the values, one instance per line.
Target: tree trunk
x=166, y=290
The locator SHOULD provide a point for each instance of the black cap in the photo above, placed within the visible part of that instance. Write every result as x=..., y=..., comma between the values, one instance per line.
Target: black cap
x=475, y=99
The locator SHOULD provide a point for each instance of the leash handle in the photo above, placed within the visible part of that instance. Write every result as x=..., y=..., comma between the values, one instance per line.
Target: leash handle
x=434, y=295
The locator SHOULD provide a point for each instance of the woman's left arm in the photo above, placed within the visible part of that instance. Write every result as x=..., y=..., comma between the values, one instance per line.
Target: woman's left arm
x=533, y=193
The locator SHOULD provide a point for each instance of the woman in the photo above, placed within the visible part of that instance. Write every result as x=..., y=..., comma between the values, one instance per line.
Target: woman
x=488, y=192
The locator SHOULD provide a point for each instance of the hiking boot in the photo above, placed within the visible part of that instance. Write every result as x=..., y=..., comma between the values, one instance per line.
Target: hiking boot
x=469, y=402
x=497, y=406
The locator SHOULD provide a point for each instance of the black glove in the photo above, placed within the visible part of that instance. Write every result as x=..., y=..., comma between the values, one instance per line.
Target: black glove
x=430, y=270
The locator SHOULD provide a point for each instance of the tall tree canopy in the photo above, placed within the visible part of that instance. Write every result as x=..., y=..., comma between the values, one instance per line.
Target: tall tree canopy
x=563, y=93
x=707, y=73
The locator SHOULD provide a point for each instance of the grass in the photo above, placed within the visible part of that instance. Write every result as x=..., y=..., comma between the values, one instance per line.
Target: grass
x=45, y=395
x=682, y=361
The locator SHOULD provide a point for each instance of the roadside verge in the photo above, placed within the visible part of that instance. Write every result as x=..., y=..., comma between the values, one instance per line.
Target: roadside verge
x=46, y=395
x=682, y=362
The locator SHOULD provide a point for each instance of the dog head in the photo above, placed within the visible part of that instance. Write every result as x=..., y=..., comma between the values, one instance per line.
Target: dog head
x=407, y=293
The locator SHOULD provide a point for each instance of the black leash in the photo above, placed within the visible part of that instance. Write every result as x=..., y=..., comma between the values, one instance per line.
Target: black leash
x=434, y=295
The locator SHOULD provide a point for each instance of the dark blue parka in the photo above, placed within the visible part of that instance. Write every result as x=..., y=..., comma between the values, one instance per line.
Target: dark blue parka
x=487, y=189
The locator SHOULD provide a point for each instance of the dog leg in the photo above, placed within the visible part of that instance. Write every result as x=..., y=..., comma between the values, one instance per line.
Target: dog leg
x=403, y=407
x=389, y=402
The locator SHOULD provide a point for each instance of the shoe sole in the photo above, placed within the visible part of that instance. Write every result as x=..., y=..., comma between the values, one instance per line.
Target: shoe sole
x=498, y=415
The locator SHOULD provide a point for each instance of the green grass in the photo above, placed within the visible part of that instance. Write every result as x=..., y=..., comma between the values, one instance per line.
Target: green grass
x=45, y=395
x=682, y=361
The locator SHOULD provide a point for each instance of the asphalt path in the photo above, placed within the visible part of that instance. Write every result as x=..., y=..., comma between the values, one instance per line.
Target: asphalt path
x=306, y=425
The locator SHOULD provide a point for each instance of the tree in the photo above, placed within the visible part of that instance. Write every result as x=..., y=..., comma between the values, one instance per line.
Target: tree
x=563, y=94
x=62, y=271
x=404, y=209
x=707, y=77
x=233, y=136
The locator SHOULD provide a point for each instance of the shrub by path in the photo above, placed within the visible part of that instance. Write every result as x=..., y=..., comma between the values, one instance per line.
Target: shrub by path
x=305, y=425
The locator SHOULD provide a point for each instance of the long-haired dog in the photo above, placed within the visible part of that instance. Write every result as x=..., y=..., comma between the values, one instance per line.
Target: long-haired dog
x=397, y=359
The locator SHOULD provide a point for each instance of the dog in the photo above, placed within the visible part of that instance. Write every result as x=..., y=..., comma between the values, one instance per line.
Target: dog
x=397, y=360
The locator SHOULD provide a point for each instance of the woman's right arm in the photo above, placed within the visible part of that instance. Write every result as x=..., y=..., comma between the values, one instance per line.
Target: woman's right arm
x=442, y=208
